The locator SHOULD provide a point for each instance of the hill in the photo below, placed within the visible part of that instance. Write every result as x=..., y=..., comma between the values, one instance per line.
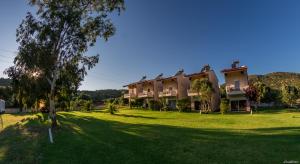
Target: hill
x=4, y=82
x=276, y=79
x=100, y=95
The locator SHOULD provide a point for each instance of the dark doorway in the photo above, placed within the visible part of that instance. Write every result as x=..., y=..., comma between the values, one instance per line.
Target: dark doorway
x=197, y=105
x=239, y=105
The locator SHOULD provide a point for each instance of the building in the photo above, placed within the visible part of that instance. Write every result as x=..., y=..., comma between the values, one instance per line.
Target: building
x=171, y=89
x=205, y=73
x=236, y=81
x=145, y=90
x=174, y=88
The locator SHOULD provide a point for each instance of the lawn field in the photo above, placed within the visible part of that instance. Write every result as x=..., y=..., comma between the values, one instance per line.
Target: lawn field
x=139, y=136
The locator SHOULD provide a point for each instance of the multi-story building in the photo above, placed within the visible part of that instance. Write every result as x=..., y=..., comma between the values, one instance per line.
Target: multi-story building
x=171, y=89
x=174, y=88
x=144, y=89
x=236, y=81
x=205, y=73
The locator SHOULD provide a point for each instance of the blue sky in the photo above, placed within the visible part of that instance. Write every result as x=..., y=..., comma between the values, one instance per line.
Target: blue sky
x=162, y=36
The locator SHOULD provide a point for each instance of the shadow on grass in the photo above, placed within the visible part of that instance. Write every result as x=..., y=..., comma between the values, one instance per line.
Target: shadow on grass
x=20, y=143
x=133, y=116
x=85, y=139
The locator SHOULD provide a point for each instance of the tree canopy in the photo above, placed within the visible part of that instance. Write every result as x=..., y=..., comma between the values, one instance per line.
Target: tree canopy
x=53, y=42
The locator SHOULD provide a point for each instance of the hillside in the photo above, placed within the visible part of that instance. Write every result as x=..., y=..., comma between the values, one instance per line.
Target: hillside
x=4, y=82
x=276, y=79
x=100, y=95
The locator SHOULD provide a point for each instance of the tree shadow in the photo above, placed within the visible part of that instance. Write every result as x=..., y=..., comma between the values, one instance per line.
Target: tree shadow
x=20, y=143
x=134, y=116
x=86, y=139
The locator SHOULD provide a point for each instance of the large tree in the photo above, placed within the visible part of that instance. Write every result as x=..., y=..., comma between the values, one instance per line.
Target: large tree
x=204, y=90
x=58, y=36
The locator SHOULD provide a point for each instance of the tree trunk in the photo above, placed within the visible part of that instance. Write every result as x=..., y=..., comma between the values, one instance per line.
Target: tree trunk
x=52, y=111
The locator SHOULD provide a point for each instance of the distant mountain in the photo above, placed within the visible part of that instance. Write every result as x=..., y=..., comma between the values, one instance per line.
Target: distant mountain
x=4, y=82
x=276, y=79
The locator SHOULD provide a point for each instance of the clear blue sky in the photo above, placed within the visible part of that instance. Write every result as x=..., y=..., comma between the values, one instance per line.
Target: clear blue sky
x=161, y=36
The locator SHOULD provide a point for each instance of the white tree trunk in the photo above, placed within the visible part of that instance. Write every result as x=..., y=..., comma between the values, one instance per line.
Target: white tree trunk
x=52, y=111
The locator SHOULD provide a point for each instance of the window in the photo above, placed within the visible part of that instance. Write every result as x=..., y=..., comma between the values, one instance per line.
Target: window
x=148, y=90
x=170, y=88
x=237, y=84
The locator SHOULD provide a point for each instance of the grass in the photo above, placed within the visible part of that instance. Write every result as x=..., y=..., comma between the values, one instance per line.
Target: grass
x=138, y=136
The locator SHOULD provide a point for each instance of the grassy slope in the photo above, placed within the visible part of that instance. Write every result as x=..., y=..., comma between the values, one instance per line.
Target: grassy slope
x=133, y=136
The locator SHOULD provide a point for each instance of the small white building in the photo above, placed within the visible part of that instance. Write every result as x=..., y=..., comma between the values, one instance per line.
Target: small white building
x=2, y=106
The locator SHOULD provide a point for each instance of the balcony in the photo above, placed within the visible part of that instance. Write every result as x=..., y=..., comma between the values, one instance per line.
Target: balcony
x=231, y=90
x=145, y=94
x=168, y=93
x=129, y=95
x=192, y=93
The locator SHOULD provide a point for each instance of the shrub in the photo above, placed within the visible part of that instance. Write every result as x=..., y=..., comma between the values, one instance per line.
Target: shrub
x=224, y=106
x=112, y=108
x=155, y=105
x=183, y=105
x=87, y=105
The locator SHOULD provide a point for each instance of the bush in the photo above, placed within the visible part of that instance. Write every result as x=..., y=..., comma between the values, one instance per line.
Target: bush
x=183, y=105
x=123, y=101
x=87, y=105
x=155, y=105
x=224, y=106
x=138, y=103
x=112, y=108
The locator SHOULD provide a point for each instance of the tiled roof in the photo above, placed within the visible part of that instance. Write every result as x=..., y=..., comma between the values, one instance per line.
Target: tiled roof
x=235, y=69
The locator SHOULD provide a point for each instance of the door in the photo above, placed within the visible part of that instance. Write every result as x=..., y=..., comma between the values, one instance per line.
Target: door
x=197, y=105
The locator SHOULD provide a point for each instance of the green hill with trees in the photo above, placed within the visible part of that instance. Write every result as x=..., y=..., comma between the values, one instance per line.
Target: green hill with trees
x=101, y=95
x=276, y=80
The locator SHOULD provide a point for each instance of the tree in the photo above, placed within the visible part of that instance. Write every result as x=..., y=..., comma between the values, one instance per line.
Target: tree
x=289, y=94
x=59, y=35
x=252, y=94
x=204, y=89
x=264, y=93
x=27, y=88
x=224, y=106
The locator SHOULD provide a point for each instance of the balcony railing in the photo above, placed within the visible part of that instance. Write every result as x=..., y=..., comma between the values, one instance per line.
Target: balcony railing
x=231, y=90
x=168, y=93
x=129, y=95
x=192, y=93
x=146, y=94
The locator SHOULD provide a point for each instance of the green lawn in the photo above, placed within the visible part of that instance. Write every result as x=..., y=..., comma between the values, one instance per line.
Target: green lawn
x=138, y=136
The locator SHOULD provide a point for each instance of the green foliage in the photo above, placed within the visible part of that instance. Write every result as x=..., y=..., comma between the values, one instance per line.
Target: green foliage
x=112, y=108
x=101, y=95
x=87, y=105
x=264, y=93
x=252, y=93
x=223, y=91
x=81, y=103
x=183, y=105
x=277, y=79
x=289, y=95
x=155, y=105
x=137, y=103
x=53, y=43
x=224, y=106
x=205, y=90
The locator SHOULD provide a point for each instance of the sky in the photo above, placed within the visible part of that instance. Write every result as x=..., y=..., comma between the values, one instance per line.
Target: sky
x=163, y=36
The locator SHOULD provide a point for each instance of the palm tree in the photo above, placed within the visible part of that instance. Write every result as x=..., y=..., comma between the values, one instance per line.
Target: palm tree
x=204, y=89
